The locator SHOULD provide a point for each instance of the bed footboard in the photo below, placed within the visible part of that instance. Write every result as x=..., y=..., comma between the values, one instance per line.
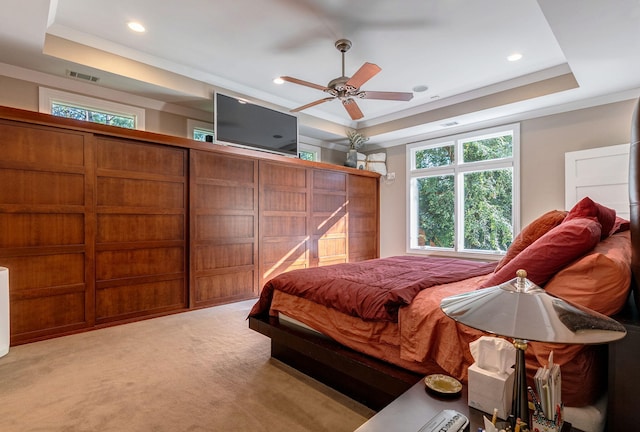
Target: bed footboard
x=369, y=381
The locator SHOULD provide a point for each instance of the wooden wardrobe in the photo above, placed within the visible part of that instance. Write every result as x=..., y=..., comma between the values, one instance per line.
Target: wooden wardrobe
x=101, y=225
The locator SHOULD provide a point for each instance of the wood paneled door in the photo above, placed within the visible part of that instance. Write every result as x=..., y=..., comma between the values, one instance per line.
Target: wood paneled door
x=328, y=218
x=364, y=219
x=224, y=228
x=141, y=202
x=284, y=218
x=46, y=228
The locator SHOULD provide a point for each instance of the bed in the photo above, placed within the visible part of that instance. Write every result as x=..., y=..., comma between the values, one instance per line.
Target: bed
x=375, y=346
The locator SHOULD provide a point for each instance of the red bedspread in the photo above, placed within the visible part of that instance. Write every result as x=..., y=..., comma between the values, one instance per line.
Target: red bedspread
x=374, y=289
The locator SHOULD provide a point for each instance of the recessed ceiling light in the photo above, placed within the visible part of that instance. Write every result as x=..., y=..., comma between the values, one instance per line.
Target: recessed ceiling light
x=136, y=26
x=514, y=57
x=278, y=80
x=420, y=88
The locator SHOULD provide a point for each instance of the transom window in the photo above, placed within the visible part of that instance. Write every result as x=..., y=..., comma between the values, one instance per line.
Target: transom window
x=199, y=130
x=79, y=107
x=92, y=115
x=309, y=152
x=201, y=134
x=463, y=192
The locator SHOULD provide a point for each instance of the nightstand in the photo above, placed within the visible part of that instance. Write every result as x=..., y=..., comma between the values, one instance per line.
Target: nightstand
x=415, y=407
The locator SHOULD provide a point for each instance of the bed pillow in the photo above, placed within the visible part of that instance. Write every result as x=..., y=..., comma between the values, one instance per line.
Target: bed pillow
x=620, y=225
x=551, y=252
x=586, y=207
x=377, y=162
x=600, y=280
x=531, y=233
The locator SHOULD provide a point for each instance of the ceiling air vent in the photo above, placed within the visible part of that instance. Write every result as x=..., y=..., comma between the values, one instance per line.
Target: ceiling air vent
x=452, y=123
x=82, y=76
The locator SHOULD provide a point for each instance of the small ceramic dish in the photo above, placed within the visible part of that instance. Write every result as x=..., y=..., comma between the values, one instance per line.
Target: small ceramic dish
x=443, y=385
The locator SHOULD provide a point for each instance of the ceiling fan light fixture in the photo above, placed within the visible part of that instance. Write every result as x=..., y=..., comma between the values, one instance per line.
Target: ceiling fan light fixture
x=278, y=80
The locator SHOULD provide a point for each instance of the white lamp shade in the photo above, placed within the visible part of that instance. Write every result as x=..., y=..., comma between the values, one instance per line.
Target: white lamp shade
x=522, y=310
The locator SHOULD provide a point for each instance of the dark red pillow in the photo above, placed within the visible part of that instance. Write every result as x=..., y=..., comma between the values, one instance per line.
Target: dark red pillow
x=586, y=207
x=551, y=252
x=620, y=225
x=531, y=233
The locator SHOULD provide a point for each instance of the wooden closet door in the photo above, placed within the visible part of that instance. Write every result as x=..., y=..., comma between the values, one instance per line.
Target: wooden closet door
x=46, y=229
x=224, y=228
x=328, y=218
x=284, y=218
x=141, y=196
x=364, y=219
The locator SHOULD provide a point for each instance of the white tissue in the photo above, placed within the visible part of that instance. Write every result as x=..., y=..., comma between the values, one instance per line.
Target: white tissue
x=493, y=354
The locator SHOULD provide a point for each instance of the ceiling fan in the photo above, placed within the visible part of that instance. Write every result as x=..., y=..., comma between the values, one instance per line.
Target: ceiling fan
x=346, y=89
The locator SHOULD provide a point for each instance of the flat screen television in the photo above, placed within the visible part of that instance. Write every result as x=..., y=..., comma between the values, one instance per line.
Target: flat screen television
x=243, y=123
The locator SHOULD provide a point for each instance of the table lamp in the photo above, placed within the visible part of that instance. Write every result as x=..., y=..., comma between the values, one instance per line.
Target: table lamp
x=521, y=310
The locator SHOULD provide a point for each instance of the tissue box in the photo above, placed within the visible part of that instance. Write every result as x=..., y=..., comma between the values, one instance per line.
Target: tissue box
x=489, y=390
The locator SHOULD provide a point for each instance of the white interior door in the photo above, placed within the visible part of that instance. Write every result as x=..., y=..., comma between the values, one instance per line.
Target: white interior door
x=602, y=174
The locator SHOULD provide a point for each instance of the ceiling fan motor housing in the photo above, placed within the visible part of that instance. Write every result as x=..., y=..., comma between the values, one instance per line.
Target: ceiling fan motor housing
x=343, y=45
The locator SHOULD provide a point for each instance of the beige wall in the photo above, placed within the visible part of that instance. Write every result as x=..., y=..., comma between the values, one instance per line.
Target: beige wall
x=545, y=140
x=333, y=156
x=21, y=94
x=17, y=93
x=543, y=143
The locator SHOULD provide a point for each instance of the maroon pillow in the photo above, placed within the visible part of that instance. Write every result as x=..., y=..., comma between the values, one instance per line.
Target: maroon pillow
x=620, y=225
x=531, y=233
x=551, y=252
x=586, y=207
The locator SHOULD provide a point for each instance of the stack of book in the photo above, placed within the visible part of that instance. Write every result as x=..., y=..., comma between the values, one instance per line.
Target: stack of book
x=548, y=381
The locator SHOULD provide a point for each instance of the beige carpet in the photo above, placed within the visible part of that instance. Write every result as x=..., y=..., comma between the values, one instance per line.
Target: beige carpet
x=203, y=370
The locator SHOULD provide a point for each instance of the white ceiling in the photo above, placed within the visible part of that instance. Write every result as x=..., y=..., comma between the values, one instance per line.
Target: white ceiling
x=575, y=52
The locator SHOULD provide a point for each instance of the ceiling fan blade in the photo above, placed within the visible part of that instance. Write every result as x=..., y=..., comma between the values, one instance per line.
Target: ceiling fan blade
x=304, y=83
x=399, y=96
x=352, y=108
x=362, y=75
x=314, y=103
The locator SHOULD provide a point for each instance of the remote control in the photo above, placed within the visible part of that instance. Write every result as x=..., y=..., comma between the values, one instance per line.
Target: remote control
x=447, y=420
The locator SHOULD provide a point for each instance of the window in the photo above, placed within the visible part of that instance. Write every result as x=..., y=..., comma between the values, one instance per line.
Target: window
x=309, y=152
x=464, y=192
x=75, y=106
x=199, y=130
x=91, y=115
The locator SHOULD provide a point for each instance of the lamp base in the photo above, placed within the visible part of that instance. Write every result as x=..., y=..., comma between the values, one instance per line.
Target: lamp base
x=520, y=404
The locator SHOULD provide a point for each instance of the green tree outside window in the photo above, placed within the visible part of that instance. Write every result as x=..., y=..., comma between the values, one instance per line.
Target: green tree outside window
x=86, y=114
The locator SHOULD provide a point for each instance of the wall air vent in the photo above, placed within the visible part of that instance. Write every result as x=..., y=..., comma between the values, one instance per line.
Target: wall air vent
x=82, y=76
x=452, y=123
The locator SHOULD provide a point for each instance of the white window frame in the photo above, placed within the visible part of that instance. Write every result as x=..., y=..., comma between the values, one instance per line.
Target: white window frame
x=192, y=125
x=47, y=96
x=308, y=148
x=458, y=169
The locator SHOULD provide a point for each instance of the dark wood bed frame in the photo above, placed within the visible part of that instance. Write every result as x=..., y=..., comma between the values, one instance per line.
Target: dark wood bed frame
x=375, y=383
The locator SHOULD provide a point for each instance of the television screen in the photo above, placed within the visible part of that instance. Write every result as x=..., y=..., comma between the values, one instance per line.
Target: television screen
x=247, y=124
